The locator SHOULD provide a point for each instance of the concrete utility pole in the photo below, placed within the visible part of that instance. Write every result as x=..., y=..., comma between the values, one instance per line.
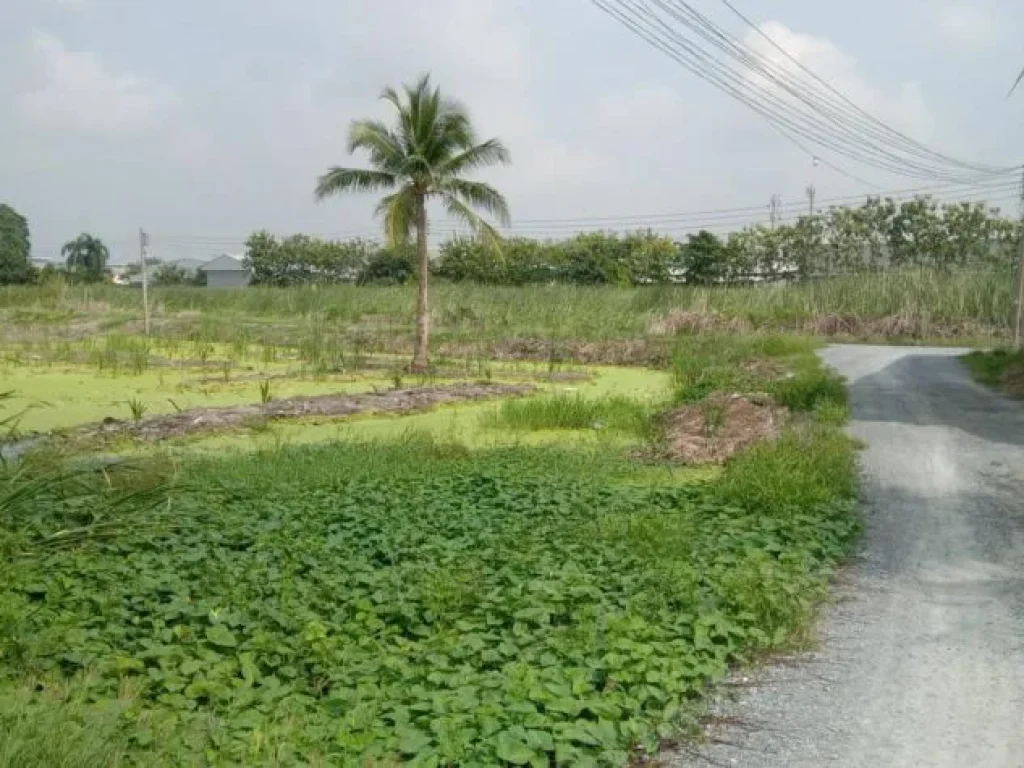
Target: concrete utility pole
x=1018, y=320
x=143, y=244
x=774, y=210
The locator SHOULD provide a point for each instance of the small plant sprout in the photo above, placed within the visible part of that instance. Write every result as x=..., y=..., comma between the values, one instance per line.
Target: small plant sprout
x=714, y=418
x=138, y=409
x=265, y=396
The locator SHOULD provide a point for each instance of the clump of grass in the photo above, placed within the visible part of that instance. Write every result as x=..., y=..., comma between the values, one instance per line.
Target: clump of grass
x=810, y=389
x=713, y=362
x=9, y=422
x=998, y=368
x=40, y=731
x=808, y=466
x=265, y=395
x=138, y=409
x=714, y=418
x=572, y=412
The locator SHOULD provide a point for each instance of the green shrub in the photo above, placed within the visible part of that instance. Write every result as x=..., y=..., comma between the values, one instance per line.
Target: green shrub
x=389, y=267
x=595, y=258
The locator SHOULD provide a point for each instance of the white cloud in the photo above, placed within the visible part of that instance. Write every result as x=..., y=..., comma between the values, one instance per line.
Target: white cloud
x=968, y=24
x=647, y=108
x=902, y=106
x=78, y=94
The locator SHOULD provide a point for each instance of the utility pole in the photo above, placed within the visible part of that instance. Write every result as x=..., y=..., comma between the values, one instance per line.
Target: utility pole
x=1018, y=321
x=811, y=194
x=143, y=244
x=774, y=210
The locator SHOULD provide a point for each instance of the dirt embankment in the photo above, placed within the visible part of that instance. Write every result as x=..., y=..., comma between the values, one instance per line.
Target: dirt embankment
x=712, y=431
x=652, y=353
x=199, y=420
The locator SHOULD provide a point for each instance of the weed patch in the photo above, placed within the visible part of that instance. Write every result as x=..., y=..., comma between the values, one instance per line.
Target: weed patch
x=808, y=466
x=999, y=368
x=414, y=603
x=572, y=411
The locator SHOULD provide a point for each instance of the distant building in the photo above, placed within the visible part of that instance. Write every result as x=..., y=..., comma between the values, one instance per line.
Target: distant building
x=225, y=272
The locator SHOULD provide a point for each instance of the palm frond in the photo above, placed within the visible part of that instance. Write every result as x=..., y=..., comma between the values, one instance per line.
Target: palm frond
x=428, y=109
x=389, y=94
x=399, y=212
x=491, y=152
x=385, y=147
x=404, y=134
x=338, y=180
x=478, y=195
x=481, y=228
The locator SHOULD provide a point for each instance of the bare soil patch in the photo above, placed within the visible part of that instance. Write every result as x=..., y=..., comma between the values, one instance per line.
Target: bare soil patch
x=201, y=420
x=711, y=431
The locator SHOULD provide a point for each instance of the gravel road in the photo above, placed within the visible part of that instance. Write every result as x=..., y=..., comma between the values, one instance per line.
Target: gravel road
x=922, y=655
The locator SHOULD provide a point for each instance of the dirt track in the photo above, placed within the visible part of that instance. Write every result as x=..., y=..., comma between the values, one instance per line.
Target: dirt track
x=922, y=657
x=198, y=420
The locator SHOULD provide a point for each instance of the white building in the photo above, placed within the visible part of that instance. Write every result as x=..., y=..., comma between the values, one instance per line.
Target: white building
x=225, y=272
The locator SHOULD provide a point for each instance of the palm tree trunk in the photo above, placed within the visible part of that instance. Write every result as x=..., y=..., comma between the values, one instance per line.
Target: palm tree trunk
x=421, y=358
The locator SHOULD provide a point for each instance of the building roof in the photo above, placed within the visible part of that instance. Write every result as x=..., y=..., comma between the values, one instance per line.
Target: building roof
x=192, y=264
x=223, y=263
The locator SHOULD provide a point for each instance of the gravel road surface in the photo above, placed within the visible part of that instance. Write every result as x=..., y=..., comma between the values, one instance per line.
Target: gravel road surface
x=922, y=655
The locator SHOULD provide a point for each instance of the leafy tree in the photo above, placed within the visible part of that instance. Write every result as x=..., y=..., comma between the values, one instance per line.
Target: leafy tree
x=425, y=156
x=175, y=274
x=15, y=247
x=86, y=257
x=395, y=266
x=704, y=258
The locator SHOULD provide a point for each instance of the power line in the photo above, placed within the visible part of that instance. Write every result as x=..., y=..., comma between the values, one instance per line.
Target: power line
x=826, y=99
x=724, y=218
x=798, y=110
x=840, y=120
x=831, y=89
x=940, y=190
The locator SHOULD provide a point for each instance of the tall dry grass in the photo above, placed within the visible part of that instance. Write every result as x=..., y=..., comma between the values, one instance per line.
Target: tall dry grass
x=907, y=304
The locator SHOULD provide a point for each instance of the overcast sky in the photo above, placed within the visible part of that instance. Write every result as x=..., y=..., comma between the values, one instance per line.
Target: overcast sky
x=203, y=120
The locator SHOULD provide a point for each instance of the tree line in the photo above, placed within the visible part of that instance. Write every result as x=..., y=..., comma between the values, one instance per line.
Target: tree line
x=84, y=259
x=881, y=234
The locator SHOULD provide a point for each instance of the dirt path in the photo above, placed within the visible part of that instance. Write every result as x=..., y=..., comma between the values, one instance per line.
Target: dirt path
x=196, y=420
x=922, y=660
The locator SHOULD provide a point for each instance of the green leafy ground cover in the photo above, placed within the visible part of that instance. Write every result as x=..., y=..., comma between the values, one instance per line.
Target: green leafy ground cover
x=1000, y=368
x=409, y=601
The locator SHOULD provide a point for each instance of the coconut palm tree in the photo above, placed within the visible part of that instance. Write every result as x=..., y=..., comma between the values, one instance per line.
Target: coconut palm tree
x=424, y=156
x=87, y=256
